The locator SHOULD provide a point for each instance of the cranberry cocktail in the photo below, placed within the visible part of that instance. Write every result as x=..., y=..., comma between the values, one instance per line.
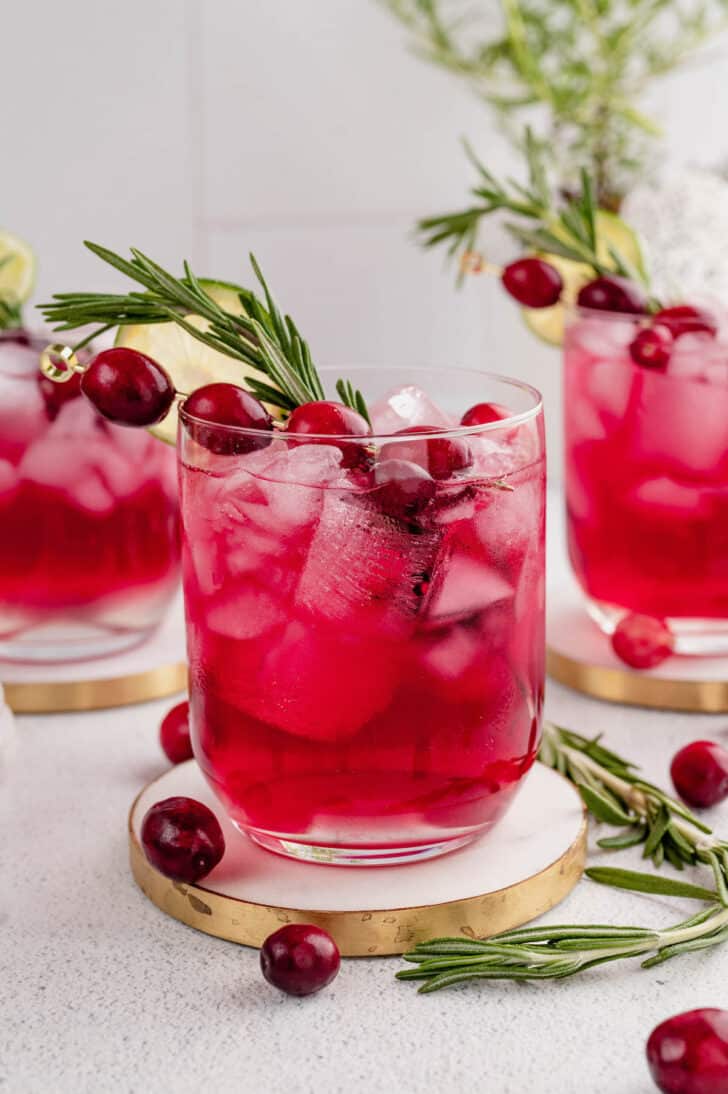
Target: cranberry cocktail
x=89, y=551
x=365, y=617
x=646, y=418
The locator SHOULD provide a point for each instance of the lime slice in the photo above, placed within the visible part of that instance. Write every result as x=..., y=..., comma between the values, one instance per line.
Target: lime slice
x=548, y=323
x=190, y=363
x=17, y=268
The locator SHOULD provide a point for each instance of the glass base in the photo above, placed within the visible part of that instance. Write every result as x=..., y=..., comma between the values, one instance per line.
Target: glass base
x=357, y=856
x=693, y=637
x=56, y=644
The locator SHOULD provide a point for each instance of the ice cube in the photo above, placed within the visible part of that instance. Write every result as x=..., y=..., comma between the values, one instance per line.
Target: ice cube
x=664, y=496
x=52, y=462
x=606, y=338
x=691, y=356
x=319, y=682
x=407, y=406
x=681, y=426
x=244, y=610
x=464, y=586
x=22, y=414
x=18, y=360
x=365, y=569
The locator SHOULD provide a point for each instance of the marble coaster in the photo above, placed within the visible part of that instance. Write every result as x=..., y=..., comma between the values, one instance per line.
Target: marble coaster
x=529, y=863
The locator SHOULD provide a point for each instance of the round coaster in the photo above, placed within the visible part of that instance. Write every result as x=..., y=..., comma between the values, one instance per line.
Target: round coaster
x=579, y=655
x=524, y=867
x=152, y=670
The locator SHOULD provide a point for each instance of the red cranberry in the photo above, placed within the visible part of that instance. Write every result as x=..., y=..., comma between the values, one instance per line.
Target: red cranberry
x=685, y=319
x=533, y=282
x=700, y=773
x=127, y=387
x=299, y=959
x=403, y=488
x=641, y=641
x=612, y=294
x=228, y=405
x=182, y=838
x=56, y=395
x=482, y=413
x=327, y=420
x=688, y=1054
x=441, y=456
x=174, y=734
x=652, y=347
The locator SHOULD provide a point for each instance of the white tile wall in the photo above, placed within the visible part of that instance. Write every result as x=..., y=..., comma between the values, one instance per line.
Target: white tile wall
x=301, y=129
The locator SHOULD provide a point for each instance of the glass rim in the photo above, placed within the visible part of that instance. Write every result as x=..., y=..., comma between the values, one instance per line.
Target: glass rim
x=510, y=422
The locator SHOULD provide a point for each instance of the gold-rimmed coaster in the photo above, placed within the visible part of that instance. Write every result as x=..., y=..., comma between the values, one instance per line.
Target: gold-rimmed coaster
x=526, y=866
x=153, y=669
x=579, y=655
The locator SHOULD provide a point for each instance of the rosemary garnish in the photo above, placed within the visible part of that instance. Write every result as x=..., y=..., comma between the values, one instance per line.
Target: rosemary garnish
x=564, y=226
x=258, y=335
x=615, y=794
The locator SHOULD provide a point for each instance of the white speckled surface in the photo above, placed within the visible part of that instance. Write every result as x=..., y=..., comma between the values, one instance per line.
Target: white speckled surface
x=99, y=991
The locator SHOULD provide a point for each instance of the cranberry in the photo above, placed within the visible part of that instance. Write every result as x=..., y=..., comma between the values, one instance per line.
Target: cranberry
x=688, y=1054
x=533, y=282
x=612, y=294
x=651, y=347
x=482, y=413
x=700, y=773
x=127, y=387
x=228, y=405
x=685, y=319
x=56, y=395
x=641, y=641
x=299, y=959
x=403, y=488
x=174, y=734
x=182, y=838
x=323, y=419
x=441, y=456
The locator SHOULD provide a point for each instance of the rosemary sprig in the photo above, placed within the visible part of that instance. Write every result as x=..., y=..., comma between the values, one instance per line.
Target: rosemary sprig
x=565, y=227
x=258, y=335
x=556, y=952
x=616, y=794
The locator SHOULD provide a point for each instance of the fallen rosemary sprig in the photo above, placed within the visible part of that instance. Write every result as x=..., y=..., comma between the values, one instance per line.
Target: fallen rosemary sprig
x=614, y=793
x=563, y=226
x=258, y=335
x=555, y=952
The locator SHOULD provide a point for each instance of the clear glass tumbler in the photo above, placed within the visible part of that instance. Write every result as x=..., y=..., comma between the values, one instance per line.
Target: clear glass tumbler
x=647, y=479
x=366, y=676
x=89, y=551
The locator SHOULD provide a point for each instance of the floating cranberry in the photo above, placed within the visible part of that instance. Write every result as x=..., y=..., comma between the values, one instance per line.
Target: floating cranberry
x=403, y=489
x=533, y=282
x=299, y=959
x=320, y=421
x=174, y=734
x=685, y=319
x=700, y=773
x=642, y=641
x=56, y=395
x=483, y=413
x=128, y=387
x=652, y=347
x=228, y=405
x=441, y=456
x=612, y=294
x=688, y=1054
x=182, y=838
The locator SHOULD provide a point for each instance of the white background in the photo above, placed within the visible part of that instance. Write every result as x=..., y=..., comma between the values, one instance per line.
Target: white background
x=300, y=129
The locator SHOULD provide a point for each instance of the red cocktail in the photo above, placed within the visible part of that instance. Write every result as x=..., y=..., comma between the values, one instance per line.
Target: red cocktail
x=89, y=554
x=647, y=473
x=365, y=619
